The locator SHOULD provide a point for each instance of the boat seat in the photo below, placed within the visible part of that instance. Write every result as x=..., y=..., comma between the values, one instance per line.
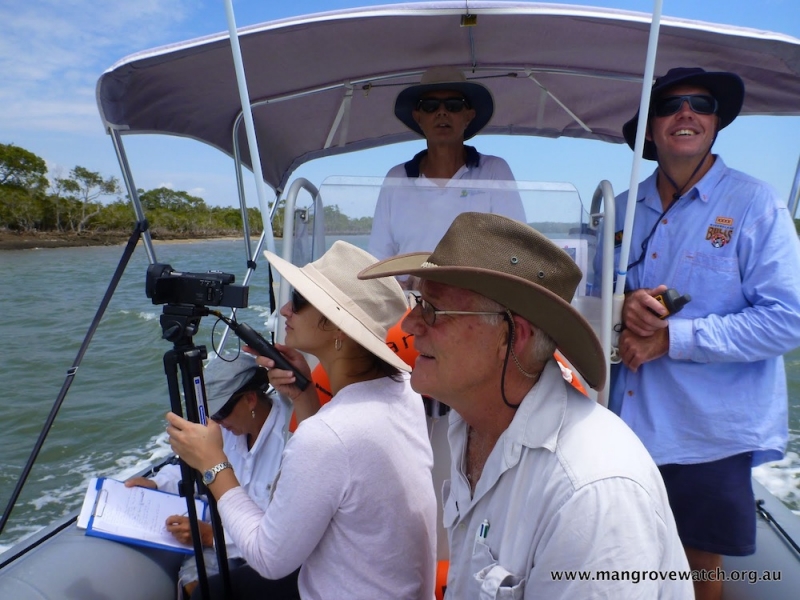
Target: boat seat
x=69, y=564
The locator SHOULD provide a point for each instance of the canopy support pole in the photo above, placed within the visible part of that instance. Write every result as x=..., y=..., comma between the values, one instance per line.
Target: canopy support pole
x=244, y=97
x=633, y=188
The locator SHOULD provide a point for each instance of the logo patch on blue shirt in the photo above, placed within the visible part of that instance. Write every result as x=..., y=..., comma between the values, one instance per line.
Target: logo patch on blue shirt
x=618, y=238
x=721, y=232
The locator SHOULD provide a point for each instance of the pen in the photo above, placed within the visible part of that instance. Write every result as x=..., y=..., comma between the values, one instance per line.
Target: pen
x=483, y=530
x=480, y=535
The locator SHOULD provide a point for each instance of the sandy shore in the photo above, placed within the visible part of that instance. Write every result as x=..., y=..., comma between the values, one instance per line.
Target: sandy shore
x=51, y=239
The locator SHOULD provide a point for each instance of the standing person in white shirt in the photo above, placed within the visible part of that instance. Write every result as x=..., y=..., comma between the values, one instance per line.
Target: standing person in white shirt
x=354, y=502
x=419, y=199
x=551, y=496
x=254, y=429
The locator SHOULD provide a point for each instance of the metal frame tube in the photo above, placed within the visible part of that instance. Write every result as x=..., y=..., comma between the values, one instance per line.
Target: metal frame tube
x=127, y=177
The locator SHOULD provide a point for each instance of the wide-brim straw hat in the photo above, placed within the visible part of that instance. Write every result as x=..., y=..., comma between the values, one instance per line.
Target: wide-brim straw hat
x=363, y=310
x=727, y=88
x=446, y=78
x=518, y=267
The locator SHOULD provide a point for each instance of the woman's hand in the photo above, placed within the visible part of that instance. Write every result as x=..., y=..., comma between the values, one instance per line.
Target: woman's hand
x=199, y=446
x=141, y=482
x=285, y=381
x=306, y=402
x=180, y=528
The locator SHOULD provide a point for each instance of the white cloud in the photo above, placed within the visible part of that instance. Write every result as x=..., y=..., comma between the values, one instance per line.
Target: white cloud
x=53, y=51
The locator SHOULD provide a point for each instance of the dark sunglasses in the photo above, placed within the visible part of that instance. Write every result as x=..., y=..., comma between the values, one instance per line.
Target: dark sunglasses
x=298, y=302
x=453, y=105
x=702, y=104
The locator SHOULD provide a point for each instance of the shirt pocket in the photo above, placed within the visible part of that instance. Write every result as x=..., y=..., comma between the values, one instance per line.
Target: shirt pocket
x=494, y=581
x=713, y=281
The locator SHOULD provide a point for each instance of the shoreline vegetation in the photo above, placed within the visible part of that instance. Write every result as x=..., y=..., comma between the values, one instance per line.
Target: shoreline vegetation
x=14, y=240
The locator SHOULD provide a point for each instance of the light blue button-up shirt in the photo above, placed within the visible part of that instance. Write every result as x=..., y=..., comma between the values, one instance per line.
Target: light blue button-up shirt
x=731, y=244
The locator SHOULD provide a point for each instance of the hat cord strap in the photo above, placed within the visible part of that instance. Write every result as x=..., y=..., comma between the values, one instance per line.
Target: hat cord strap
x=675, y=197
x=510, y=352
x=679, y=190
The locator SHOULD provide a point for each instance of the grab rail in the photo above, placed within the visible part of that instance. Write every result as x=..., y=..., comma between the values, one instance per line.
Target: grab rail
x=794, y=195
x=604, y=195
x=288, y=241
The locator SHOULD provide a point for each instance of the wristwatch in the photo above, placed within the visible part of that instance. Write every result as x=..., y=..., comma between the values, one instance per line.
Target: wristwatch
x=210, y=475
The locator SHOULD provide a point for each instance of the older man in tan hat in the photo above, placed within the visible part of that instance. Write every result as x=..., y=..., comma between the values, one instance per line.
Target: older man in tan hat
x=550, y=494
x=421, y=198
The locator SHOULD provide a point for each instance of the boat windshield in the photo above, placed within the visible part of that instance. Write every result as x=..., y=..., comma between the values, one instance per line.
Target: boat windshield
x=395, y=216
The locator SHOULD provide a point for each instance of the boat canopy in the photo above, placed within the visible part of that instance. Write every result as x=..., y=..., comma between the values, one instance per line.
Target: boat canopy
x=554, y=70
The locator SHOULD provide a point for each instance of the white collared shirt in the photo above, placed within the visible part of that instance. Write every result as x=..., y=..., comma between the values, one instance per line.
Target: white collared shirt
x=412, y=214
x=567, y=487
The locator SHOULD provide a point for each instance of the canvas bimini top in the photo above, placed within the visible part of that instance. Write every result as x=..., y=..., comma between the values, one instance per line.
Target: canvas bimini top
x=325, y=84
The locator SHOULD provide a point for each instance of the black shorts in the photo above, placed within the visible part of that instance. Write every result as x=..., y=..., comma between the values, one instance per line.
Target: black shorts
x=714, y=505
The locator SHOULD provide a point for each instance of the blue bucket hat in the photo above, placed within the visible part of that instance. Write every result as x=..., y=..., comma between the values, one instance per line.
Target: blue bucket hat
x=446, y=78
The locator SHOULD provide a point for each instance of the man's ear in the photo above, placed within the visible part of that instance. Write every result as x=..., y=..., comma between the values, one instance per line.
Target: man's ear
x=523, y=332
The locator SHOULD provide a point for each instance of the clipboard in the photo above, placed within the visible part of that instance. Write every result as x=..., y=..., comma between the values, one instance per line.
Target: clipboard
x=134, y=515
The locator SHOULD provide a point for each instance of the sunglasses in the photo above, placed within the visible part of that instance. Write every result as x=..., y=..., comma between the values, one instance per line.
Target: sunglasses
x=429, y=311
x=453, y=105
x=298, y=302
x=702, y=104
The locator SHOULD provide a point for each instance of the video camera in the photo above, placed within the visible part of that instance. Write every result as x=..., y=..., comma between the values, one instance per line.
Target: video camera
x=164, y=285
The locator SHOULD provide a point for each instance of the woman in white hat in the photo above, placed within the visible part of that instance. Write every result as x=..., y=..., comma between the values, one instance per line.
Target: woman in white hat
x=446, y=109
x=354, y=501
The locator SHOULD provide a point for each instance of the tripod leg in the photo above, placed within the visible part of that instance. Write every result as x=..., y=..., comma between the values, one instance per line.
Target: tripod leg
x=189, y=358
x=188, y=483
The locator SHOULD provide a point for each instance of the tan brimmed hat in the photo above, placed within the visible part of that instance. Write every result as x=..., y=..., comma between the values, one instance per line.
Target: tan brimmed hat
x=363, y=310
x=517, y=266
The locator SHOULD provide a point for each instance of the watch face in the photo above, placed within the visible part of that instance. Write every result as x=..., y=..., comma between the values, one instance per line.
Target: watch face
x=208, y=477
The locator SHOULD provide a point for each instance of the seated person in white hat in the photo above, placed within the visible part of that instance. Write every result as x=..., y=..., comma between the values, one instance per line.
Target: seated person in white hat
x=545, y=484
x=354, y=502
x=419, y=199
x=254, y=428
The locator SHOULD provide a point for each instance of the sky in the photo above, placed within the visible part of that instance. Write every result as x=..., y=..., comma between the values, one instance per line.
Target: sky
x=52, y=53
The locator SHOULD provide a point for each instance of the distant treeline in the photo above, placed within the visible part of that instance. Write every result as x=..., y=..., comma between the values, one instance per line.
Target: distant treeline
x=84, y=201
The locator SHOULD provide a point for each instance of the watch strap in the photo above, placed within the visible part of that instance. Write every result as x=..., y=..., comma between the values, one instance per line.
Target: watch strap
x=216, y=469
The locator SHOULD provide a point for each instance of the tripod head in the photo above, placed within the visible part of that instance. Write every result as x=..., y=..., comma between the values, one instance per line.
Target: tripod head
x=180, y=322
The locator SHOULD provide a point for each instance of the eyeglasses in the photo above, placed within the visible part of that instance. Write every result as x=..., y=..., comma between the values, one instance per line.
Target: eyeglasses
x=298, y=302
x=429, y=311
x=227, y=408
x=453, y=105
x=702, y=104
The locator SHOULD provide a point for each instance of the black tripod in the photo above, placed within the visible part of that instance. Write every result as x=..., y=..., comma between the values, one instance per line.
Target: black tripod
x=179, y=322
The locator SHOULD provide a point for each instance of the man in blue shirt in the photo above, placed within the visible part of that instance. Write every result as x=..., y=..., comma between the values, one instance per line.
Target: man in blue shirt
x=705, y=389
